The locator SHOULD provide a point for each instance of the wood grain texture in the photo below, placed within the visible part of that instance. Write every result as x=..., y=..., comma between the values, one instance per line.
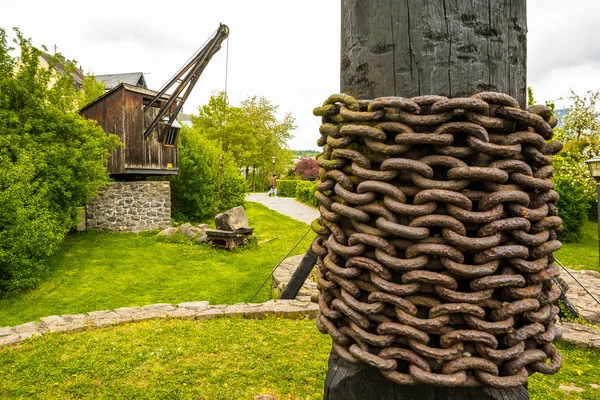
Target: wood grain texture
x=347, y=381
x=447, y=47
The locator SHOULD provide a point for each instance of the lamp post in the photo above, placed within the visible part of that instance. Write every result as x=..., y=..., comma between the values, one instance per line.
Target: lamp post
x=594, y=166
x=273, y=159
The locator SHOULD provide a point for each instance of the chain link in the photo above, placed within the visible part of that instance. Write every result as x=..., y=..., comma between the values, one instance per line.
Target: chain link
x=436, y=236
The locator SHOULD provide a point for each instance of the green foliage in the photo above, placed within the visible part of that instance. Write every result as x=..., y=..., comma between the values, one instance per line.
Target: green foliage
x=90, y=91
x=530, y=99
x=305, y=192
x=52, y=161
x=208, y=179
x=250, y=133
x=572, y=209
x=581, y=119
x=286, y=188
x=580, y=133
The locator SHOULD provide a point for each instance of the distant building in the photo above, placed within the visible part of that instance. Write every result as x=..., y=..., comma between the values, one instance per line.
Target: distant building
x=46, y=62
x=185, y=119
x=133, y=78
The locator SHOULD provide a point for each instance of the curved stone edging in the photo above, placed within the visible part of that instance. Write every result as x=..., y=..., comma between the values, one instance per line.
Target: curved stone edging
x=580, y=335
x=200, y=310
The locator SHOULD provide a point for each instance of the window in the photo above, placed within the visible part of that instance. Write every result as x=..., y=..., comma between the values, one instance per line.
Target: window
x=170, y=138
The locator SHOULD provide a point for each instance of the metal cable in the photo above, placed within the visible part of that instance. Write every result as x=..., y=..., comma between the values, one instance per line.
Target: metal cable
x=579, y=283
x=286, y=256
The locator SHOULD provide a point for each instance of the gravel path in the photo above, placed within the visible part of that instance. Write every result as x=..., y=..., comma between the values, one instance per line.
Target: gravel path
x=286, y=206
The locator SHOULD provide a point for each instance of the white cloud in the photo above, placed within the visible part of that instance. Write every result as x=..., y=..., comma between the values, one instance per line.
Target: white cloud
x=286, y=51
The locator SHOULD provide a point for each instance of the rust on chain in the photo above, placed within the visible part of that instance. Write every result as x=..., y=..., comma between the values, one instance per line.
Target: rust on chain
x=436, y=237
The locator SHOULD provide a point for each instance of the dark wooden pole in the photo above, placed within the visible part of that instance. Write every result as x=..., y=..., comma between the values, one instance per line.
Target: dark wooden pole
x=419, y=47
x=447, y=47
x=302, y=272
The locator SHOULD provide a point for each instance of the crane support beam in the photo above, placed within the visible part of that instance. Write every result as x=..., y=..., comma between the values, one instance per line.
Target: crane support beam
x=185, y=80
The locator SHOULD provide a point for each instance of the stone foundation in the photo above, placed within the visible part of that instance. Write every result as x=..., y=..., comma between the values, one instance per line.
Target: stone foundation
x=131, y=207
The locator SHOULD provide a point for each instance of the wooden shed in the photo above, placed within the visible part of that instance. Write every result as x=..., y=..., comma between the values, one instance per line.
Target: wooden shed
x=121, y=111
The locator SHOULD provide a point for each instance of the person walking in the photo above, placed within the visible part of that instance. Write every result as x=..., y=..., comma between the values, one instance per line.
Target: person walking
x=273, y=185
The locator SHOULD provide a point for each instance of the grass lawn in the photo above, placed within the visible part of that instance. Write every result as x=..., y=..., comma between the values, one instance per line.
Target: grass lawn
x=582, y=255
x=213, y=359
x=98, y=271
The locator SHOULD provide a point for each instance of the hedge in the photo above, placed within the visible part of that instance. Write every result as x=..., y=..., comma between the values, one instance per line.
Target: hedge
x=571, y=208
x=286, y=188
x=305, y=192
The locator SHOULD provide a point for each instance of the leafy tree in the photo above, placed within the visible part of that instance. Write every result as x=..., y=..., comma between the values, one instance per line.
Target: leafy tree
x=307, y=168
x=90, y=90
x=52, y=161
x=580, y=133
x=208, y=179
x=250, y=133
x=581, y=119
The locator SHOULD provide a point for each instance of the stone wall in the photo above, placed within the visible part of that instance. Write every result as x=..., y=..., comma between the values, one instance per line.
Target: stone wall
x=131, y=207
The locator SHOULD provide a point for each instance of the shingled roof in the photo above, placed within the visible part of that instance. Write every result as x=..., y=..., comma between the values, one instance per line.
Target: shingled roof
x=132, y=78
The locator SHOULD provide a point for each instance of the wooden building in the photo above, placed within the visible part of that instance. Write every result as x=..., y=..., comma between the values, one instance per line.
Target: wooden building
x=121, y=111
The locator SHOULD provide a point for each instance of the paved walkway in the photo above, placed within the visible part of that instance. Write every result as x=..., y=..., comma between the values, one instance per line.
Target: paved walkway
x=586, y=306
x=286, y=206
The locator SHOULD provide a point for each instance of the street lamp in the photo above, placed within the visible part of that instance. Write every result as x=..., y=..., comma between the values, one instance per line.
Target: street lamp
x=594, y=166
x=273, y=159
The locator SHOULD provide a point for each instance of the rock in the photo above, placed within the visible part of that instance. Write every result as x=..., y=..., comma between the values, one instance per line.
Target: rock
x=232, y=220
x=168, y=232
x=586, y=306
x=194, y=305
x=188, y=230
x=267, y=396
x=571, y=388
x=580, y=335
x=202, y=227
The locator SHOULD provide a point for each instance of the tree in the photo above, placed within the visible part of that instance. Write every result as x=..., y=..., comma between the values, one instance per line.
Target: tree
x=208, y=179
x=307, y=168
x=580, y=132
x=52, y=161
x=250, y=133
x=581, y=119
x=90, y=91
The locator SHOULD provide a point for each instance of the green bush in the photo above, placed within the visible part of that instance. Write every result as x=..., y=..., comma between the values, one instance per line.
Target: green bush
x=195, y=191
x=593, y=211
x=305, y=192
x=286, y=188
x=571, y=208
x=52, y=161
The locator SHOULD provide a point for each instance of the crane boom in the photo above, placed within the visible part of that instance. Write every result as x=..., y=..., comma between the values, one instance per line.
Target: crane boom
x=185, y=79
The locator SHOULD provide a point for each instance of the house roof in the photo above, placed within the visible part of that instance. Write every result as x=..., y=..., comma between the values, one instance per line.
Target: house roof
x=130, y=88
x=78, y=76
x=132, y=78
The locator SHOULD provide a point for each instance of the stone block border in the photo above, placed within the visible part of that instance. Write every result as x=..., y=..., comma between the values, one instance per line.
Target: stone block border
x=198, y=310
x=580, y=335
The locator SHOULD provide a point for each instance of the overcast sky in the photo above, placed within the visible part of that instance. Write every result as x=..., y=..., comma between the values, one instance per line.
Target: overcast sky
x=286, y=51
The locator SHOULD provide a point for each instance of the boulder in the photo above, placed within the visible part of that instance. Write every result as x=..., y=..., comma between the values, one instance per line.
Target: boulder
x=232, y=220
x=203, y=237
x=168, y=232
x=188, y=230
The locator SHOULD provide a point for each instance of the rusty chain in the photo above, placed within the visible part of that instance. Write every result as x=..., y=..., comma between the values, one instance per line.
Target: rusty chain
x=436, y=238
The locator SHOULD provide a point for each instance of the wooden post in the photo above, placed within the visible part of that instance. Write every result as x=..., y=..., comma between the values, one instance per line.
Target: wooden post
x=410, y=48
x=446, y=47
x=300, y=275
